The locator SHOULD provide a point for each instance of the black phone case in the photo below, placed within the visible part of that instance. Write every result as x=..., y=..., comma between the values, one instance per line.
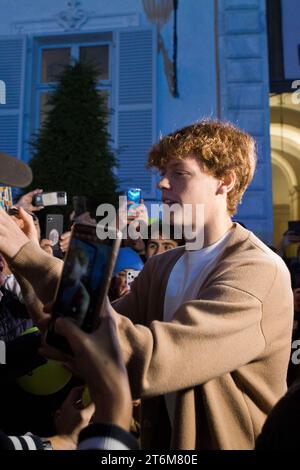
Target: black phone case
x=54, y=229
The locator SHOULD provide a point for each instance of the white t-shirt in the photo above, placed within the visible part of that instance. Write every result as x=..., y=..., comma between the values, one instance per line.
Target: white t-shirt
x=185, y=281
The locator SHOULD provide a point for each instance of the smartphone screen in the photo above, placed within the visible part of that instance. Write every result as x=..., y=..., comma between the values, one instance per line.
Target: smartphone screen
x=85, y=278
x=134, y=196
x=6, y=199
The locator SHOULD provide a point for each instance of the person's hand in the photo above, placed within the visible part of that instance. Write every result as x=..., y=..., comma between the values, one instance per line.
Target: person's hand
x=46, y=245
x=141, y=213
x=11, y=236
x=289, y=238
x=26, y=223
x=71, y=418
x=26, y=201
x=98, y=359
x=138, y=216
x=64, y=241
x=84, y=218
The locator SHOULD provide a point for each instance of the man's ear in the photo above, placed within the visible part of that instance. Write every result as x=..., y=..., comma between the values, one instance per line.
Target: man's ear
x=227, y=183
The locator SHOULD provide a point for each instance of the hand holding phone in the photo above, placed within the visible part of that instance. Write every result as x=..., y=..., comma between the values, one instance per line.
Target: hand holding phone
x=26, y=201
x=85, y=279
x=131, y=274
x=54, y=229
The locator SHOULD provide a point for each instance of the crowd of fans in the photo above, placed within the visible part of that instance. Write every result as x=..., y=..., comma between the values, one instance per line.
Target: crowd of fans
x=36, y=405
x=51, y=399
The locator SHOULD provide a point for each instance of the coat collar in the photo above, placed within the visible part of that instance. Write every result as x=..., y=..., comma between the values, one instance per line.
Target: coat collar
x=165, y=262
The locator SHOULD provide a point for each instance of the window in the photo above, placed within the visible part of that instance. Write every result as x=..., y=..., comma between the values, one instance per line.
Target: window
x=126, y=63
x=98, y=56
x=53, y=58
x=53, y=62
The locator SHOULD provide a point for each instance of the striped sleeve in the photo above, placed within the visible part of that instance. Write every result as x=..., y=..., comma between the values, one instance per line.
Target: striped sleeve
x=26, y=442
x=103, y=436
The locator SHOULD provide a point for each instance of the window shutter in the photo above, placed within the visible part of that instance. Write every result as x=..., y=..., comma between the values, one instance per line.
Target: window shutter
x=12, y=53
x=135, y=131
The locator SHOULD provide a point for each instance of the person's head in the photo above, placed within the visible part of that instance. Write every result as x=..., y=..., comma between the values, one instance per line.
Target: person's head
x=209, y=163
x=298, y=254
x=127, y=268
x=137, y=245
x=161, y=238
x=296, y=294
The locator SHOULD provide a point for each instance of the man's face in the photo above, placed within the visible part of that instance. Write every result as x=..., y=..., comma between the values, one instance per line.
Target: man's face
x=159, y=245
x=184, y=182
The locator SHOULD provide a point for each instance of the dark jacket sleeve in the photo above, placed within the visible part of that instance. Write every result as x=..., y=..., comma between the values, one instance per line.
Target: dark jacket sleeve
x=21, y=356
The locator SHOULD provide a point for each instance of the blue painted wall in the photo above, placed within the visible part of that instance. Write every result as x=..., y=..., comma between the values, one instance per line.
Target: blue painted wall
x=196, y=67
x=243, y=68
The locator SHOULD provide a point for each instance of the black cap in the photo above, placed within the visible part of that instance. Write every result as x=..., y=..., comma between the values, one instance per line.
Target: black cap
x=14, y=172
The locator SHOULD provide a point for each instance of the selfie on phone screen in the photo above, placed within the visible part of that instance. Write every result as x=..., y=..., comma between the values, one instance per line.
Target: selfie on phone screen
x=83, y=273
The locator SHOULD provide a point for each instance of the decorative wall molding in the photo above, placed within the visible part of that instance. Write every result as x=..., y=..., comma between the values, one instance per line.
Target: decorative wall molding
x=74, y=19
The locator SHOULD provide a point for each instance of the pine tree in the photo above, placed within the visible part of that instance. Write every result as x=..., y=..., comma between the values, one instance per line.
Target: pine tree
x=71, y=151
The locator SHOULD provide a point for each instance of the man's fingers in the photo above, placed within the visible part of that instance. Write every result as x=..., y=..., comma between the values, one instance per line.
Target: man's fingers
x=75, y=395
x=44, y=322
x=88, y=411
x=48, y=307
x=70, y=331
x=25, y=216
x=107, y=332
x=52, y=353
x=37, y=208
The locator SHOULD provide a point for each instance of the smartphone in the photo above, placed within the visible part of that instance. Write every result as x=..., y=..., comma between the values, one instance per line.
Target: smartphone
x=50, y=199
x=131, y=274
x=294, y=226
x=85, y=280
x=134, y=195
x=54, y=229
x=6, y=199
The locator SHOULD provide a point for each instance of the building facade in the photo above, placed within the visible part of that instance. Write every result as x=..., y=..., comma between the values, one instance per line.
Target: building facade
x=161, y=68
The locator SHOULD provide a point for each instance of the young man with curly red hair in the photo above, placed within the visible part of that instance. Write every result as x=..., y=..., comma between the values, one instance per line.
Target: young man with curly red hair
x=205, y=333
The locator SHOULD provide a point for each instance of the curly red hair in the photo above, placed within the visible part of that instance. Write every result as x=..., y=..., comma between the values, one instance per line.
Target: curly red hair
x=221, y=148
